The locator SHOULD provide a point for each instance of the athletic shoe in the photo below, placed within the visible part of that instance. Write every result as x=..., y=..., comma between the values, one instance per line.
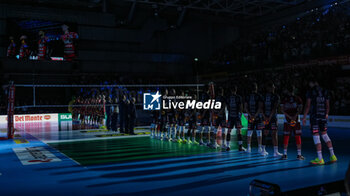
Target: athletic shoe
x=260, y=150
x=284, y=157
x=170, y=139
x=189, y=142
x=277, y=154
x=264, y=153
x=215, y=146
x=242, y=149
x=184, y=141
x=179, y=140
x=201, y=143
x=209, y=144
x=317, y=162
x=223, y=146
x=195, y=142
x=175, y=140
x=300, y=157
x=249, y=150
x=228, y=148
x=333, y=159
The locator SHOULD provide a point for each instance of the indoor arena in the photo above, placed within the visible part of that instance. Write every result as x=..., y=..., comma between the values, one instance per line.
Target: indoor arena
x=169, y=97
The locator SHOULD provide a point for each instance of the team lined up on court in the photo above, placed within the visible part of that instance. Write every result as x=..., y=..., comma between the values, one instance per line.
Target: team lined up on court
x=183, y=126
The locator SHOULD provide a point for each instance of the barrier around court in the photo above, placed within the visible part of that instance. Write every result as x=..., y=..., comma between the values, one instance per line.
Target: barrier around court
x=333, y=121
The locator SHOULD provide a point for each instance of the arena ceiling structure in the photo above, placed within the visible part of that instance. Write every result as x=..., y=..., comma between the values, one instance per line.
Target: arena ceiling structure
x=246, y=8
x=238, y=9
x=228, y=7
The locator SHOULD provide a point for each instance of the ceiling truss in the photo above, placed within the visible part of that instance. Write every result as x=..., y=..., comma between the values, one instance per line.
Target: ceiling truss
x=231, y=7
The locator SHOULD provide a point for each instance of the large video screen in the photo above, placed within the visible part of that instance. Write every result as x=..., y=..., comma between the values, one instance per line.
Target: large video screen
x=30, y=28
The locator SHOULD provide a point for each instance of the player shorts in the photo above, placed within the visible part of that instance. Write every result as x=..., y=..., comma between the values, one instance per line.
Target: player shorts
x=318, y=125
x=289, y=128
x=154, y=121
x=234, y=122
x=204, y=122
x=220, y=121
x=192, y=124
x=272, y=125
x=204, y=129
x=181, y=122
x=256, y=124
x=163, y=123
x=172, y=120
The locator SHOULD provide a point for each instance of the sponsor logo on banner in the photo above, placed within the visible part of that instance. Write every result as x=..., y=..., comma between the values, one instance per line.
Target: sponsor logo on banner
x=65, y=117
x=35, y=118
x=31, y=118
x=35, y=155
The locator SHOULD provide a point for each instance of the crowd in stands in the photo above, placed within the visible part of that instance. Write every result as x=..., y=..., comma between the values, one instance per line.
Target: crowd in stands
x=319, y=33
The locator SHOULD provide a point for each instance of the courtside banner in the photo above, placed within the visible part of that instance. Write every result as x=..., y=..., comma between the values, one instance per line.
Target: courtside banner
x=64, y=117
x=31, y=118
x=35, y=155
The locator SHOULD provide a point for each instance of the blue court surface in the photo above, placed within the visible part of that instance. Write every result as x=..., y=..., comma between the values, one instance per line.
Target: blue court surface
x=95, y=163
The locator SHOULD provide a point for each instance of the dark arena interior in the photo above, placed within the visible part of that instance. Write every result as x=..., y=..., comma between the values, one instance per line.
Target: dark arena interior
x=174, y=97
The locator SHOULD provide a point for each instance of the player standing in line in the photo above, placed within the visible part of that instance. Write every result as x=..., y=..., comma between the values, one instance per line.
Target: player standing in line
x=164, y=119
x=219, y=119
x=253, y=107
x=154, y=119
x=291, y=107
x=84, y=110
x=235, y=109
x=172, y=121
x=204, y=119
x=181, y=127
x=270, y=102
x=191, y=118
x=318, y=105
x=180, y=124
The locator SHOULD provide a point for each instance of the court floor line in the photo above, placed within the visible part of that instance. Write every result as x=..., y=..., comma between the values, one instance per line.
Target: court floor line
x=90, y=139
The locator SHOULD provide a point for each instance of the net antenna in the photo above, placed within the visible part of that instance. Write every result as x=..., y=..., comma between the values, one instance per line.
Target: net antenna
x=10, y=110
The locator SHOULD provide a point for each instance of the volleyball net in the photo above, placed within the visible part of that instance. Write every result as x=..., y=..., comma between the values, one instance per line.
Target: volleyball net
x=86, y=106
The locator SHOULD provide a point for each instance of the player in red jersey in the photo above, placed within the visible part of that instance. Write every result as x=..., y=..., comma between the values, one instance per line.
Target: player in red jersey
x=291, y=107
x=82, y=110
x=69, y=39
x=42, y=46
x=11, y=50
x=24, y=49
